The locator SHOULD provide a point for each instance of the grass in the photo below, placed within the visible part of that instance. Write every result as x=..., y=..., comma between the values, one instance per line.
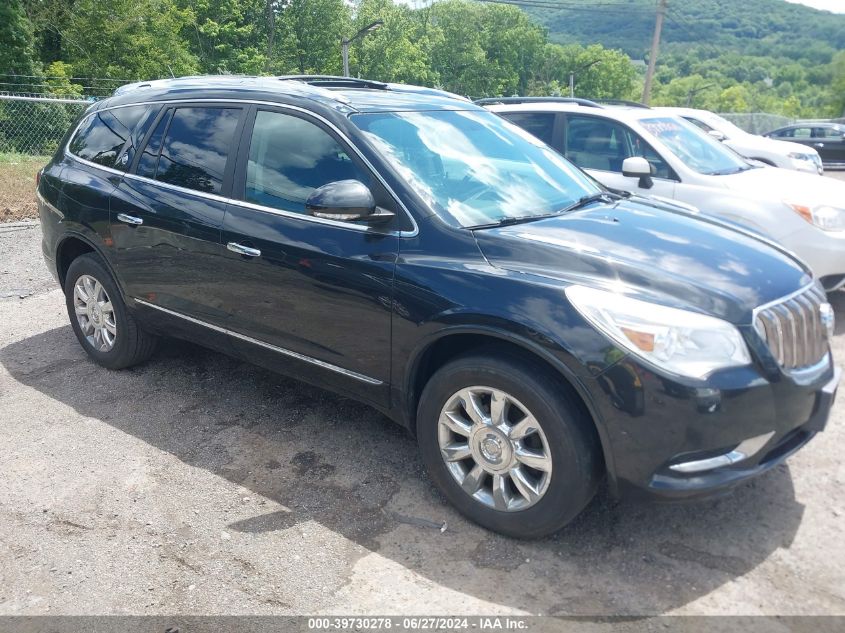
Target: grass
x=17, y=185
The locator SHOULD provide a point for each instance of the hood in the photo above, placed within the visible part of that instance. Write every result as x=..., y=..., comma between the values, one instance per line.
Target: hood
x=656, y=253
x=773, y=183
x=763, y=143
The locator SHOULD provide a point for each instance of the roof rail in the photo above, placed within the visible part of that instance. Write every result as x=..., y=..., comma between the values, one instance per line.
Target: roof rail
x=494, y=100
x=333, y=81
x=622, y=102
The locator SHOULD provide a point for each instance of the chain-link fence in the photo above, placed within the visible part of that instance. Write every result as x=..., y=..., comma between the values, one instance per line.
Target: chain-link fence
x=30, y=131
x=35, y=125
x=757, y=122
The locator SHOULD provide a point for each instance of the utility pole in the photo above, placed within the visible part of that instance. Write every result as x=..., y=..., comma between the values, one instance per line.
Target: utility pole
x=655, y=46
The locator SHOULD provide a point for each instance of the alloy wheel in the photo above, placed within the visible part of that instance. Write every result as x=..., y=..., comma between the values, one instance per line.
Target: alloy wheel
x=494, y=448
x=94, y=313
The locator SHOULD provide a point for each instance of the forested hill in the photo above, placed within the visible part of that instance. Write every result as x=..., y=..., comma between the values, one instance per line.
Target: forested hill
x=766, y=28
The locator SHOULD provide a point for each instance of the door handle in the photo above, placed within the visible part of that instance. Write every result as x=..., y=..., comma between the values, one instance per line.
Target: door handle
x=129, y=219
x=818, y=144
x=240, y=249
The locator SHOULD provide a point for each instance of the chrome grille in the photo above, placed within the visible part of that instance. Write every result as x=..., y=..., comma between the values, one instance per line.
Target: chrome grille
x=793, y=328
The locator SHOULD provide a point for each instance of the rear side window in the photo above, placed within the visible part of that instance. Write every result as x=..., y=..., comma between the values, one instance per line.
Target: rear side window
x=540, y=124
x=101, y=137
x=289, y=157
x=149, y=157
x=196, y=147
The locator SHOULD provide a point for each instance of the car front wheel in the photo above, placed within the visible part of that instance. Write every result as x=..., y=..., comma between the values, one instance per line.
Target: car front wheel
x=506, y=444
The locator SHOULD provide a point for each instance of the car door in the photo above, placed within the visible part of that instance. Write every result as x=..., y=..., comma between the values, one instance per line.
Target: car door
x=92, y=169
x=829, y=142
x=600, y=146
x=308, y=296
x=798, y=134
x=167, y=213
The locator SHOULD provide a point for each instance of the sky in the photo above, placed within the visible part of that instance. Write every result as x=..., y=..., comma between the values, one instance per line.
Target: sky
x=837, y=6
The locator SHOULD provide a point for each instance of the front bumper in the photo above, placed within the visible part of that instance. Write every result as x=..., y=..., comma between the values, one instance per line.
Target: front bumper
x=656, y=425
x=822, y=251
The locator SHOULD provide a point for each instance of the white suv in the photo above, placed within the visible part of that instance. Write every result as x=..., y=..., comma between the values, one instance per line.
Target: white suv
x=776, y=153
x=652, y=153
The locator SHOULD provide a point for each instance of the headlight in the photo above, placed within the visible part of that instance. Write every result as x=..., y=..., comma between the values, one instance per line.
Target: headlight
x=801, y=157
x=679, y=341
x=825, y=217
x=804, y=161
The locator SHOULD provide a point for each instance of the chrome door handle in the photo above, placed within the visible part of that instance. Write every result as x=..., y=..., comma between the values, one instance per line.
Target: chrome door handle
x=129, y=219
x=243, y=250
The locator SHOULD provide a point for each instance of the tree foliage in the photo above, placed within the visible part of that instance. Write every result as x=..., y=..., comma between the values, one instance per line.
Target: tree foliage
x=17, y=44
x=718, y=54
x=762, y=55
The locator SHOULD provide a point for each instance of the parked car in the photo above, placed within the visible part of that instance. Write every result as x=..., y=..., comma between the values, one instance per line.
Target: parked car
x=416, y=252
x=766, y=150
x=646, y=151
x=828, y=139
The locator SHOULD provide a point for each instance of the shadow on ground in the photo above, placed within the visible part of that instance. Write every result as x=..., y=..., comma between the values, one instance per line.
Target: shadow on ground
x=331, y=460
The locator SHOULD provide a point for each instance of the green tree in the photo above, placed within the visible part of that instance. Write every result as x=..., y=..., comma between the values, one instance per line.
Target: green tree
x=612, y=76
x=838, y=84
x=59, y=81
x=229, y=36
x=459, y=58
x=137, y=39
x=734, y=99
x=17, y=44
x=308, y=34
x=398, y=51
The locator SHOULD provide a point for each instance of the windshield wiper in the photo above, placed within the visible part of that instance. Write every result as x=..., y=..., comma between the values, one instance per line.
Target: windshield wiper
x=513, y=220
x=581, y=202
x=729, y=171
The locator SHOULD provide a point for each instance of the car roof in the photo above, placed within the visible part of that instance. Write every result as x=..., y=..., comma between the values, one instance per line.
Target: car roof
x=343, y=94
x=811, y=123
x=617, y=112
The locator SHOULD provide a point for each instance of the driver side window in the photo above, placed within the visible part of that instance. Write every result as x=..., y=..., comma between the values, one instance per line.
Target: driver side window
x=595, y=143
x=289, y=158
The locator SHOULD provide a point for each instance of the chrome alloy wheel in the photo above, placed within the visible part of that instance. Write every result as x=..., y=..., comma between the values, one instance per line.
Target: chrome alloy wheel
x=95, y=313
x=494, y=448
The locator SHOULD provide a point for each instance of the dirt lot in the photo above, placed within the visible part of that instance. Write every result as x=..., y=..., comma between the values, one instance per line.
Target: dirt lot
x=196, y=484
x=17, y=186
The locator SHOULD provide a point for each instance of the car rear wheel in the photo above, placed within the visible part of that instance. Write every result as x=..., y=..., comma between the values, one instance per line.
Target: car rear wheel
x=98, y=315
x=506, y=445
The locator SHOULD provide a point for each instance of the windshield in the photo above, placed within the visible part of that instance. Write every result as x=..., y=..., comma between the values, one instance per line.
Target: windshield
x=697, y=149
x=475, y=168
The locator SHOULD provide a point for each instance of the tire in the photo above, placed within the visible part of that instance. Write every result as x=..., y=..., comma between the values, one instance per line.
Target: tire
x=130, y=344
x=567, y=438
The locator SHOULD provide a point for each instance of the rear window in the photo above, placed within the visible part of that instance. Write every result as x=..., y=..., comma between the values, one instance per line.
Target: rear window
x=102, y=135
x=195, y=148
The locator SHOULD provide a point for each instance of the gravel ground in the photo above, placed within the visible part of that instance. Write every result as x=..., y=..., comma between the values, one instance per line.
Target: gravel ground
x=196, y=484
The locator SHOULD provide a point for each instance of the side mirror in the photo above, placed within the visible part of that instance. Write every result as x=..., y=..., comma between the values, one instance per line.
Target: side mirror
x=345, y=200
x=638, y=167
x=719, y=136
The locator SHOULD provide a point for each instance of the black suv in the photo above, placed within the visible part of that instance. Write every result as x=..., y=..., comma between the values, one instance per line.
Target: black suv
x=537, y=333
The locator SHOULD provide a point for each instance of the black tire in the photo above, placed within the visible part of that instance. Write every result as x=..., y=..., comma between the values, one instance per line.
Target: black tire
x=132, y=345
x=577, y=465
